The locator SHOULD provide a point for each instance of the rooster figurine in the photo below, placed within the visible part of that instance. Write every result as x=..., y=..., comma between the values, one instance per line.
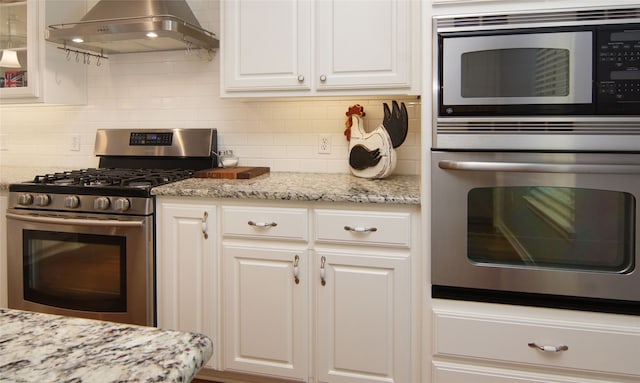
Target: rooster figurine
x=372, y=154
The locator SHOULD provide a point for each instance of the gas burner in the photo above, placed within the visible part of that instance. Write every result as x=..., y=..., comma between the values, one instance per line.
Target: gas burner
x=114, y=177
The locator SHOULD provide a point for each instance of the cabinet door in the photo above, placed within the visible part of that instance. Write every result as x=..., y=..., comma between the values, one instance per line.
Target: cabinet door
x=364, y=321
x=265, y=310
x=364, y=45
x=44, y=74
x=186, y=269
x=266, y=45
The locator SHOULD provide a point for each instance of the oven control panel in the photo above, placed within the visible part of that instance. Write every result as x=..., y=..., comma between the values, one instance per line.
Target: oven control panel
x=618, y=67
x=151, y=139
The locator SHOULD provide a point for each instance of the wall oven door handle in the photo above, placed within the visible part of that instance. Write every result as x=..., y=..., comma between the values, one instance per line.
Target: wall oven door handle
x=487, y=166
x=76, y=221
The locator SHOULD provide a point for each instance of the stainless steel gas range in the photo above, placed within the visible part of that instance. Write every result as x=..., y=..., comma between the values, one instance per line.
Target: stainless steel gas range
x=81, y=242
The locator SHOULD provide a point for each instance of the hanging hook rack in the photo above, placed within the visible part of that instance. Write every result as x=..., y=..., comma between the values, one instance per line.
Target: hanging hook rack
x=86, y=56
x=191, y=48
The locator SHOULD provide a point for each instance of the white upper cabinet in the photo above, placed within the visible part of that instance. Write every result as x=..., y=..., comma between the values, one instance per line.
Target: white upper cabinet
x=266, y=45
x=44, y=74
x=319, y=47
x=363, y=45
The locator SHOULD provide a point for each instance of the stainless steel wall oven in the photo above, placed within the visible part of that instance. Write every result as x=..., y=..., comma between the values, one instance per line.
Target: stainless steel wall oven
x=532, y=209
x=82, y=241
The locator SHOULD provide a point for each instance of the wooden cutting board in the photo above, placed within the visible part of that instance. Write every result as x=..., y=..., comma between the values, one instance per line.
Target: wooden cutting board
x=240, y=172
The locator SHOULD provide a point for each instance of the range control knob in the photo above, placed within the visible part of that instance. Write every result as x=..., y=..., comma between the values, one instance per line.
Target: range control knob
x=42, y=200
x=71, y=201
x=121, y=204
x=101, y=203
x=25, y=199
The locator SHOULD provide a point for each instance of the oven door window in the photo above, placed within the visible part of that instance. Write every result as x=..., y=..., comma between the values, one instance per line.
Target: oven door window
x=552, y=227
x=75, y=271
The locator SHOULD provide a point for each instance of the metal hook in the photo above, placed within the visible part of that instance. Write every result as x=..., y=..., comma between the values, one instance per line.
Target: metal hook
x=77, y=57
x=88, y=59
x=68, y=54
x=98, y=63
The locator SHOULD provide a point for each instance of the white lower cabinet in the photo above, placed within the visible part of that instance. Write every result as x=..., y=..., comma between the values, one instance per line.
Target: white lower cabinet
x=363, y=317
x=503, y=343
x=363, y=296
x=265, y=290
x=265, y=310
x=306, y=294
x=186, y=269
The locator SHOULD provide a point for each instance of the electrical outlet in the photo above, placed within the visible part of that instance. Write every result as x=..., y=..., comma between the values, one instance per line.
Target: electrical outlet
x=75, y=143
x=324, y=144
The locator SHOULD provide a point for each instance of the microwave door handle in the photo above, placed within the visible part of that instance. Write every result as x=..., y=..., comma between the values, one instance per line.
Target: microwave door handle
x=76, y=221
x=524, y=167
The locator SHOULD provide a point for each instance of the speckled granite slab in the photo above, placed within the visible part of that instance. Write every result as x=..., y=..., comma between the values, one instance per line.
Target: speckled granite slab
x=326, y=187
x=42, y=348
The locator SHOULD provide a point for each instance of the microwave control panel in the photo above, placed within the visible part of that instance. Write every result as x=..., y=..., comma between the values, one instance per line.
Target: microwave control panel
x=618, y=67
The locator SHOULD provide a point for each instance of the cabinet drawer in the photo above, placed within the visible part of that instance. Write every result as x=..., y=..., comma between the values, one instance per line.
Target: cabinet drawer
x=268, y=223
x=358, y=227
x=591, y=347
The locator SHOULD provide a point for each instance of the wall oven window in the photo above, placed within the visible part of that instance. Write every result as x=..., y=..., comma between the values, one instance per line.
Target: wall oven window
x=551, y=227
x=75, y=271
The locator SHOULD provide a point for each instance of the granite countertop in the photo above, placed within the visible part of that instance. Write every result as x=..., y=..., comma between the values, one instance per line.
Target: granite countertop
x=45, y=348
x=326, y=187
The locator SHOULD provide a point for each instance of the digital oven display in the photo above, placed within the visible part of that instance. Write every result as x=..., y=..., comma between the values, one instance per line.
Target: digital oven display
x=151, y=139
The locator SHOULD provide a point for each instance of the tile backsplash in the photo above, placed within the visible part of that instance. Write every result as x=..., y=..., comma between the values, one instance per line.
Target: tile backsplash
x=174, y=90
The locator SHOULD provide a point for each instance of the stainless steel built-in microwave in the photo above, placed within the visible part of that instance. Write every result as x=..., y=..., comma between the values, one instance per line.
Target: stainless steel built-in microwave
x=580, y=62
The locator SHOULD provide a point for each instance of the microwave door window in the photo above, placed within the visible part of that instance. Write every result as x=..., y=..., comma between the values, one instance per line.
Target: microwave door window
x=515, y=72
x=551, y=228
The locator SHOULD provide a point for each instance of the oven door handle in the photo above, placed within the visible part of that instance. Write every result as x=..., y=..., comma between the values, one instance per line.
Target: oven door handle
x=525, y=167
x=76, y=221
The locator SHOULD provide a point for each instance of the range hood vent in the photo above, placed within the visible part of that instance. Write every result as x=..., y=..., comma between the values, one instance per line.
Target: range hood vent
x=128, y=26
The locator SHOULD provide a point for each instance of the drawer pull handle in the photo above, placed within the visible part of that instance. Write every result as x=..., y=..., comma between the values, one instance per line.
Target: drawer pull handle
x=262, y=224
x=323, y=272
x=360, y=229
x=296, y=269
x=549, y=348
x=205, y=229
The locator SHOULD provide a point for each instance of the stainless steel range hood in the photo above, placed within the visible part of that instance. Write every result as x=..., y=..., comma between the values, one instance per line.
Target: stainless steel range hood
x=127, y=26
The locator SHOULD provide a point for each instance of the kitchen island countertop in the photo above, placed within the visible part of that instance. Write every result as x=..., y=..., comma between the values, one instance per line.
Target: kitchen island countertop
x=45, y=348
x=325, y=187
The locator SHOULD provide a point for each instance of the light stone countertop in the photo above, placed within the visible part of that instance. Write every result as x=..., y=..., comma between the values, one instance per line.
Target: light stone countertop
x=43, y=348
x=325, y=187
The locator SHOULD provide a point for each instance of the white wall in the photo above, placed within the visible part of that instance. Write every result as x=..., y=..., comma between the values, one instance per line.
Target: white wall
x=174, y=90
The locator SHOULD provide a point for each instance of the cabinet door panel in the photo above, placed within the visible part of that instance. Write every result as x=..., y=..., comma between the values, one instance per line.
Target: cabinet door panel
x=265, y=311
x=266, y=52
x=363, y=45
x=363, y=319
x=186, y=271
